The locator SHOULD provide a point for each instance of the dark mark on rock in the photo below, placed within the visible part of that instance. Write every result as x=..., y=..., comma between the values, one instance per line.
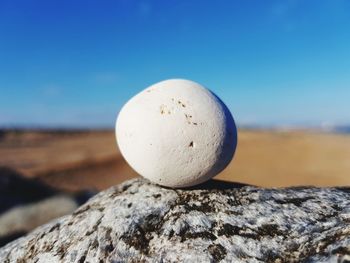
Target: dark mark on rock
x=203, y=235
x=341, y=250
x=94, y=228
x=296, y=201
x=157, y=196
x=217, y=251
x=55, y=227
x=229, y=230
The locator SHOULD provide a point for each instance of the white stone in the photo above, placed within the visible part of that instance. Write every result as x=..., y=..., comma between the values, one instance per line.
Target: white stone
x=176, y=133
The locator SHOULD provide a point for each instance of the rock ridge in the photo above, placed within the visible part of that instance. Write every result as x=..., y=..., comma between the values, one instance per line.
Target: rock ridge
x=138, y=221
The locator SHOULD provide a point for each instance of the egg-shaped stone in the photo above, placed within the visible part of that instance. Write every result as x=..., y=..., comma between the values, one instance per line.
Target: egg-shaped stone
x=176, y=133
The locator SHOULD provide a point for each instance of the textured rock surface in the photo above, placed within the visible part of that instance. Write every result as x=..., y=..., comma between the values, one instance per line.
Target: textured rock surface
x=138, y=221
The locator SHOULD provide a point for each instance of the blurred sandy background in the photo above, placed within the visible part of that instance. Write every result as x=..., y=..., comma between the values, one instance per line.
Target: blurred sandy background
x=79, y=160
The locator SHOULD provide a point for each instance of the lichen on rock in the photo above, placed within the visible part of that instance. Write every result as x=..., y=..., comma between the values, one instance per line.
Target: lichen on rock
x=215, y=222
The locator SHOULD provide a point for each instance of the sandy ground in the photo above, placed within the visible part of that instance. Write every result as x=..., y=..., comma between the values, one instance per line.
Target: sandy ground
x=291, y=158
x=81, y=160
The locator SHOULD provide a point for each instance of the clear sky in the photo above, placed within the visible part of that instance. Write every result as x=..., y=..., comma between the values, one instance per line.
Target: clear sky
x=75, y=63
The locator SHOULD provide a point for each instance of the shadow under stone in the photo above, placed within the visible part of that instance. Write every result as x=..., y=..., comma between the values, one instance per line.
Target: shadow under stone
x=213, y=184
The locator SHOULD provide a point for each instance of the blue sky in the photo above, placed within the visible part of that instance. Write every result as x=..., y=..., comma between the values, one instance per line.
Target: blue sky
x=74, y=63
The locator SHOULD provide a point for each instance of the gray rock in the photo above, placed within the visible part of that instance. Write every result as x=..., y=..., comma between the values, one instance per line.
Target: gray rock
x=141, y=222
